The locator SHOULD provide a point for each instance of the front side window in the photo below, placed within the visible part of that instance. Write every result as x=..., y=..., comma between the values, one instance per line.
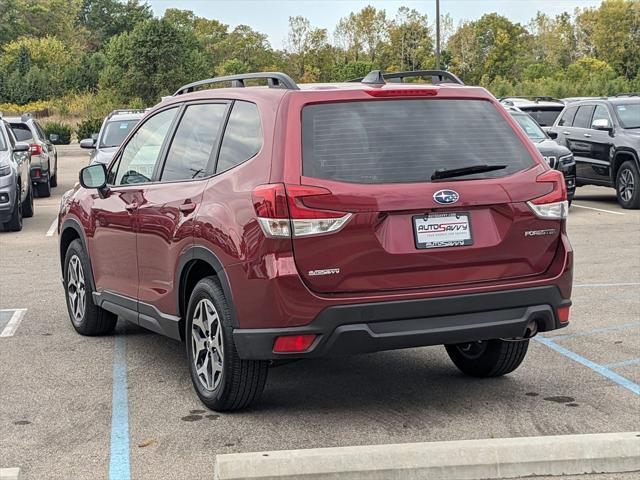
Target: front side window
x=140, y=155
x=115, y=132
x=402, y=141
x=193, y=146
x=242, y=137
x=600, y=113
x=530, y=127
x=629, y=115
x=568, y=116
x=3, y=143
x=583, y=116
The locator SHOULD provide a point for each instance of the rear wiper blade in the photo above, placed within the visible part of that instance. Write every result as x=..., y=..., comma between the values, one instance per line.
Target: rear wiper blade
x=459, y=172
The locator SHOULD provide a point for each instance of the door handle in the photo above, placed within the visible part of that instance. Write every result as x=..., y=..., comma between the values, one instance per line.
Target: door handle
x=187, y=207
x=131, y=207
x=566, y=133
x=588, y=135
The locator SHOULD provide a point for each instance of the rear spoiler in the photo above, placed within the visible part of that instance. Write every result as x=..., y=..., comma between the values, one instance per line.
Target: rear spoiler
x=437, y=77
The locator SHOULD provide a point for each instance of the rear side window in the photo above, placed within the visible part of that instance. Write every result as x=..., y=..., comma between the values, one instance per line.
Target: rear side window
x=194, y=142
x=545, y=116
x=242, y=137
x=568, y=116
x=22, y=132
x=583, y=117
x=3, y=143
x=402, y=141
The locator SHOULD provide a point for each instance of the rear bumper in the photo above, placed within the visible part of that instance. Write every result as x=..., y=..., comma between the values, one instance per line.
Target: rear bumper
x=371, y=327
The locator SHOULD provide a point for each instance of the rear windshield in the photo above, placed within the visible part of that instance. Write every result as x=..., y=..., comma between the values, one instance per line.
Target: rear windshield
x=545, y=116
x=22, y=132
x=402, y=141
x=116, y=131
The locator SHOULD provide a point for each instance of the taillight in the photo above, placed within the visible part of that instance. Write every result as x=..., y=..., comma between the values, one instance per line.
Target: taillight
x=553, y=205
x=282, y=213
x=35, y=149
x=404, y=92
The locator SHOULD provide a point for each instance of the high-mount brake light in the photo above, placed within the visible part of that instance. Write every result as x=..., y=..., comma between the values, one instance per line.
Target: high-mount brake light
x=403, y=92
x=282, y=213
x=553, y=205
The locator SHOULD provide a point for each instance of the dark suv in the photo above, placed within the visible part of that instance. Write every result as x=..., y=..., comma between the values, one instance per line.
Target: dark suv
x=604, y=136
x=299, y=221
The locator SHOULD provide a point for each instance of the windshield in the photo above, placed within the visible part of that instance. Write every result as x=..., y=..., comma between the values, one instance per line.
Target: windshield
x=530, y=127
x=401, y=141
x=115, y=132
x=629, y=115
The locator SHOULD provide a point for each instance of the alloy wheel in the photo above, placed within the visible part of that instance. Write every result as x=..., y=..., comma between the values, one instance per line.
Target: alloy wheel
x=76, y=289
x=626, y=185
x=207, y=344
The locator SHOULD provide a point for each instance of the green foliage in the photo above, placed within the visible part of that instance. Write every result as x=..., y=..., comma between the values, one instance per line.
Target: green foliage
x=88, y=127
x=62, y=130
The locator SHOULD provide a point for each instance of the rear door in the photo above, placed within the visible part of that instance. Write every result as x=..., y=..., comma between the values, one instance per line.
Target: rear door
x=597, y=164
x=377, y=157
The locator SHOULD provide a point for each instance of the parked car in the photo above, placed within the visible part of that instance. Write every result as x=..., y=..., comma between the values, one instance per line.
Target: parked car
x=16, y=191
x=44, y=157
x=299, y=221
x=115, y=128
x=544, y=110
x=604, y=136
x=558, y=157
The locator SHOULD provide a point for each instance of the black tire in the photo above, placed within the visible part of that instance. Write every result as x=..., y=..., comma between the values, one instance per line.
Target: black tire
x=15, y=222
x=240, y=382
x=27, y=205
x=54, y=180
x=628, y=185
x=489, y=358
x=93, y=319
x=44, y=189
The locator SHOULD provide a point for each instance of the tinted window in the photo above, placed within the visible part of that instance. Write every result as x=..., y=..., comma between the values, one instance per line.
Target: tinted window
x=600, y=113
x=140, y=155
x=407, y=140
x=22, y=132
x=194, y=143
x=583, y=117
x=545, y=116
x=116, y=131
x=568, y=116
x=39, y=132
x=3, y=143
x=629, y=115
x=242, y=137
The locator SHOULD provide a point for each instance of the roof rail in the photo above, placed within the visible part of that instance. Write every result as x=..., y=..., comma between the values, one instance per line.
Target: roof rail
x=437, y=76
x=274, y=80
x=532, y=98
x=630, y=94
x=26, y=116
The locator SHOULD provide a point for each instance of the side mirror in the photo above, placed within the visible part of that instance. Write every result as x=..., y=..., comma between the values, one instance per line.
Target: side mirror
x=87, y=143
x=21, y=147
x=552, y=135
x=54, y=137
x=94, y=176
x=602, y=124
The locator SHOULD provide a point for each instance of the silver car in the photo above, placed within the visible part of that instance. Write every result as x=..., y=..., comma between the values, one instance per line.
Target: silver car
x=16, y=190
x=114, y=130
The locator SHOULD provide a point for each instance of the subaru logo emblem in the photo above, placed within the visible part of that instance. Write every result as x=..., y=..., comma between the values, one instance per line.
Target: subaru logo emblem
x=446, y=197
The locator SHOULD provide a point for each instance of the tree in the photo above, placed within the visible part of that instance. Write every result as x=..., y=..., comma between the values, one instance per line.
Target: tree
x=103, y=19
x=310, y=57
x=152, y=60
x=362, y=33
x=410, y=45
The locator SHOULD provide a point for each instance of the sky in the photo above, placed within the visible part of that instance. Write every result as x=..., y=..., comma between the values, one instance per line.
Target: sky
x=272, y=16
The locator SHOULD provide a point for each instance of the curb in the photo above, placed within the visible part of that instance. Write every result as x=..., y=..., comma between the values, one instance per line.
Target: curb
x=457, y=460
x=9, y=474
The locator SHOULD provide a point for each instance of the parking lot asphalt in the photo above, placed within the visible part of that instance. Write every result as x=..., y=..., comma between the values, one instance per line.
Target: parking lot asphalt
x=57, y=416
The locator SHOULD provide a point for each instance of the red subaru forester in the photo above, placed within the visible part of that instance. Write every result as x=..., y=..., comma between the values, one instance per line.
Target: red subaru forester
x=293, y=221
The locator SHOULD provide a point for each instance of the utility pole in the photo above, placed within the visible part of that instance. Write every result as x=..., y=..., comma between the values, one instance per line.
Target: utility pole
x=437, y=34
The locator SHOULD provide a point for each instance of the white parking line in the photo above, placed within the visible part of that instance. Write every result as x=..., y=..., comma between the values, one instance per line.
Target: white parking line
x=10, y=473
x=15, y=320
x=52, y=228
x=606, y=285
x=597, y=209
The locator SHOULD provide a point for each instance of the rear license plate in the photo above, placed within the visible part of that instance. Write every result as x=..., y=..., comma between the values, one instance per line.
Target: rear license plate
x=439, y=230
